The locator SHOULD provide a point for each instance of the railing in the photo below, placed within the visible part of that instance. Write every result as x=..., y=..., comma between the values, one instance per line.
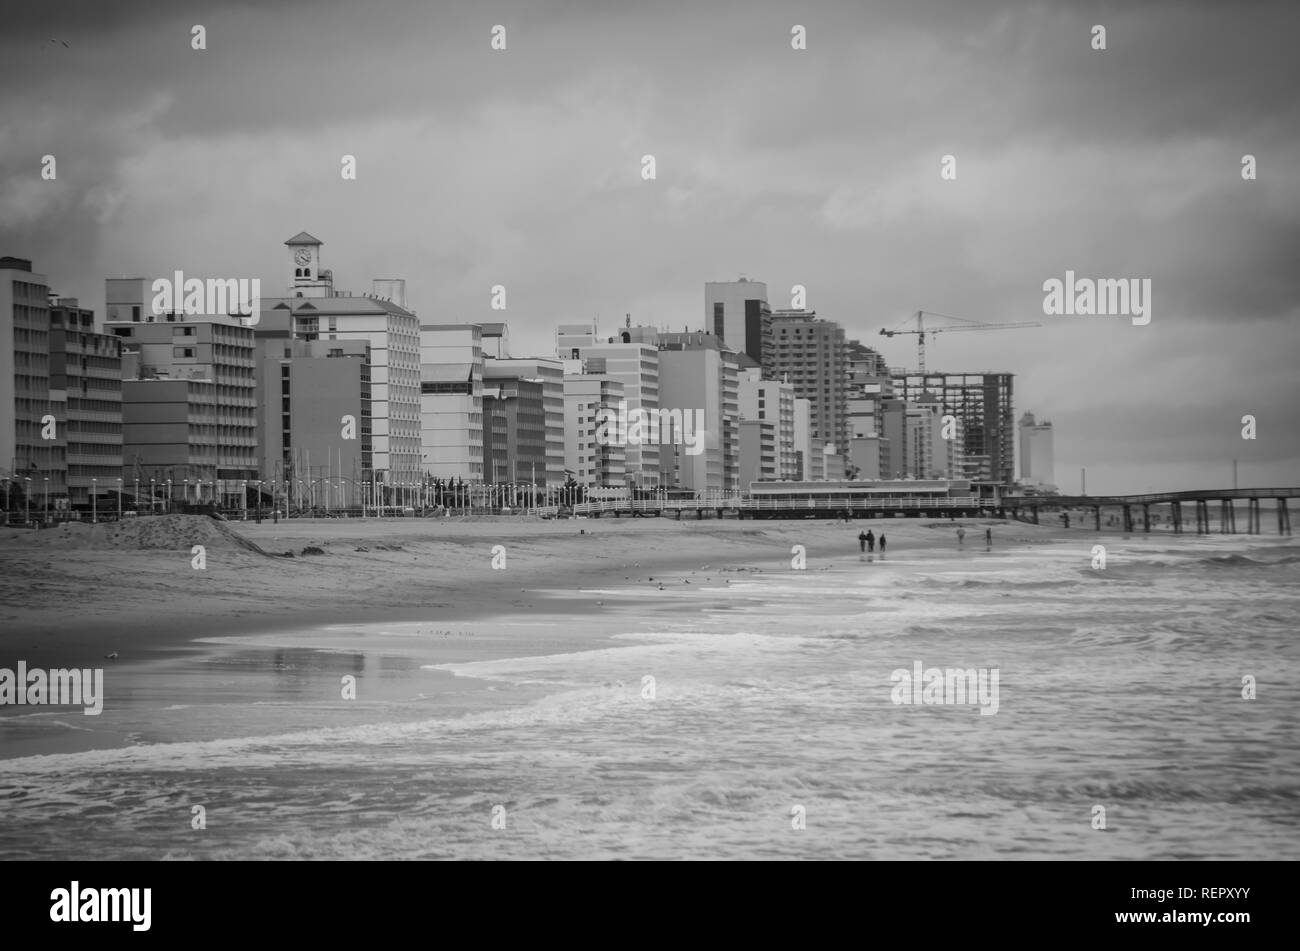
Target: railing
x=780, y=505
x=1192, y=495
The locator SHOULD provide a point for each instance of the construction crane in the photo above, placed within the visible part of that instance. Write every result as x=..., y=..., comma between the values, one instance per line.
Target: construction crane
x=921, y=330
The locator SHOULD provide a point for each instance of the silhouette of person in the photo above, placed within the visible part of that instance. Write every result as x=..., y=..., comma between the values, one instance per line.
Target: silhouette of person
x=871, y=540
x=862, y=541
x=882, y=543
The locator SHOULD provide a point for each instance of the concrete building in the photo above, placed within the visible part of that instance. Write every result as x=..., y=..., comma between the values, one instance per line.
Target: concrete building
x=451, y=401
x=867, y=385
x=631, y=358
x=591, y=463
x=982, y=402
x=738, y=313
x=320, y=312
x=87, y=368
x=698, y=378
x=31, y=467
x=1037, y=461
x=758, y=451
x=127, y=300
x=531, y=391
x=803, y=438
x=930, y=455
x=768, y=401
x=810, y=354
x=189, y=405
x=313, y=416
x=893, y=432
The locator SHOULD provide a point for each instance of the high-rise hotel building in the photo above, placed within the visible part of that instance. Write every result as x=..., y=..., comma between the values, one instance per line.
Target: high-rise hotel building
x=29, y=464
x=387, y=329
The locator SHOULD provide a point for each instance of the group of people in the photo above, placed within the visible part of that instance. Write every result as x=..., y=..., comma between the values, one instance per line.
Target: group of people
x=867, y=541
x=961, y=536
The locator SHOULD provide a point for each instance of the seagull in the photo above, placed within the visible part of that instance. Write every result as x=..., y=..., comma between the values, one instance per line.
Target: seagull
x=64, y=42
x=112, y=656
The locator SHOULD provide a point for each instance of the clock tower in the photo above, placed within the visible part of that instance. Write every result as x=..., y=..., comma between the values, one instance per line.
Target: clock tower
x=308, y=280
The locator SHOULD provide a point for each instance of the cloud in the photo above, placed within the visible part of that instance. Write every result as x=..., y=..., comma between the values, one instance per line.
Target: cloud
x=818, y=167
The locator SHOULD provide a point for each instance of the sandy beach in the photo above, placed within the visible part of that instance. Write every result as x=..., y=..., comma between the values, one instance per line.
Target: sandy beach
x=70, y=595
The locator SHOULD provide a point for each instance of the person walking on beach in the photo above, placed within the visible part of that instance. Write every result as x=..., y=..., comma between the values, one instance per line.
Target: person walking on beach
x=862, y=541
x=882, y=543
x=871, y=540
x=988, y=537
x=961, y=535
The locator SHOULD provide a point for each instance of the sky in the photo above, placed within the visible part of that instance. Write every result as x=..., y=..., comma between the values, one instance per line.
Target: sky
x=819, y=166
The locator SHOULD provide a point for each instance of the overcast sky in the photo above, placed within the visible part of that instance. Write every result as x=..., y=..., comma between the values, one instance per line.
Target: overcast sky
x=818, y=167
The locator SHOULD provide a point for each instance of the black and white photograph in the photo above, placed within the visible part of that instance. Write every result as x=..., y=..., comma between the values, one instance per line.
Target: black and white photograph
x=532, y=430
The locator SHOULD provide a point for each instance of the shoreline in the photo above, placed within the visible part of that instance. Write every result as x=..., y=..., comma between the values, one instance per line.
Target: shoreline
x=72, y=600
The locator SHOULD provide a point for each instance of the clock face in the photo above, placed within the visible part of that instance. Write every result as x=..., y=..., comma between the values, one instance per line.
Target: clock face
x=302, y=256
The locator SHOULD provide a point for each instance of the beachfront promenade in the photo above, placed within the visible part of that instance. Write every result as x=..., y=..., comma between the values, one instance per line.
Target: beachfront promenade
x=1015, y=507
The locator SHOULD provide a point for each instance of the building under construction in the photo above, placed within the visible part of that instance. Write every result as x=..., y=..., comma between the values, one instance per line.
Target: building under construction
x=982, y=403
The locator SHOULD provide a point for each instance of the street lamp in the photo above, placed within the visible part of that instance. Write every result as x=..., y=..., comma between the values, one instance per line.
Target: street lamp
x=169, y=496
x=47, y=498
x=153, y=498
x=27, y=496
x=244, y=507
x=119, y=498
x=94, y=501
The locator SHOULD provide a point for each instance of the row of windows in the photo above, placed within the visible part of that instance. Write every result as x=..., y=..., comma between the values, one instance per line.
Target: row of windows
x=87, y=427
x=94, y=449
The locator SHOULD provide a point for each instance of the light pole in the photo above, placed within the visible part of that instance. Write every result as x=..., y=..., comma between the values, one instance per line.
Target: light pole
x=136, y=499
x=94, y=501
x=119, y=498
x=153, y=499
x=27, y=497
x=168, y=509
x=47, y=498
x=244, y=507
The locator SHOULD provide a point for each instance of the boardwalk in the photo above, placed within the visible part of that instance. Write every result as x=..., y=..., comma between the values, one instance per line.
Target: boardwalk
x=967, y=507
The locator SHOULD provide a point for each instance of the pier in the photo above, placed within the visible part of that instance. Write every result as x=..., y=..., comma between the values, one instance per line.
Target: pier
x=1189, y=510
x=1198, y=502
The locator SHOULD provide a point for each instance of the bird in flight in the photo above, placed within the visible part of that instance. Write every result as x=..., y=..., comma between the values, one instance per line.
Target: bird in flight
x=64, y=42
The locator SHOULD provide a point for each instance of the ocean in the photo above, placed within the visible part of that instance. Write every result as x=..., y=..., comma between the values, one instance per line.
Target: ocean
x=1145, y=710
